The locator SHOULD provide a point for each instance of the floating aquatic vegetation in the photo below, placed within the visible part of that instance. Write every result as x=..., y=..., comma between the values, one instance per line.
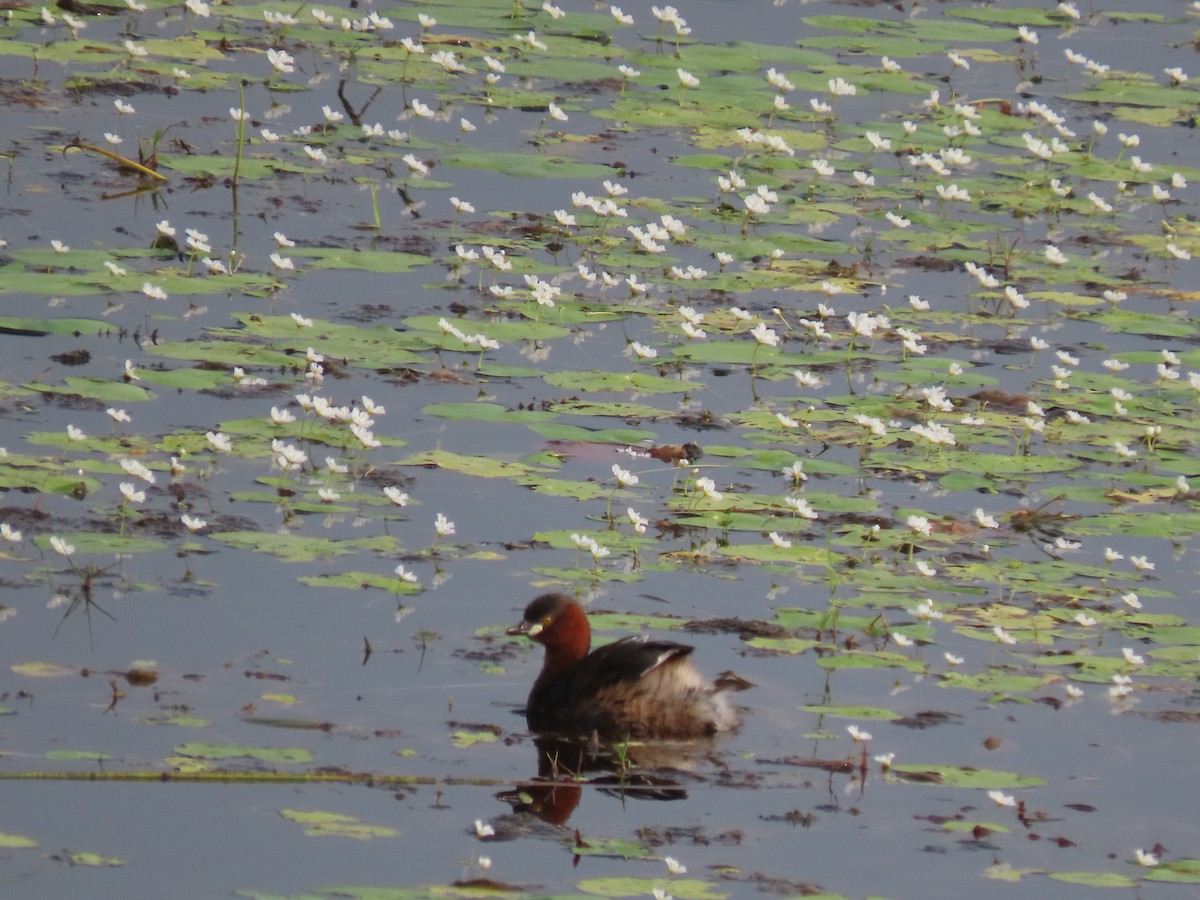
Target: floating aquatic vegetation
x=916, y=291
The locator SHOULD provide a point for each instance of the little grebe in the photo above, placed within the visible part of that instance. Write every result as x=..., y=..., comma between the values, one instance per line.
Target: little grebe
x=633, y=688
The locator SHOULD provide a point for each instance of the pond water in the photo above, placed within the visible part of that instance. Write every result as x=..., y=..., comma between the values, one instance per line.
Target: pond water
x=950, y=282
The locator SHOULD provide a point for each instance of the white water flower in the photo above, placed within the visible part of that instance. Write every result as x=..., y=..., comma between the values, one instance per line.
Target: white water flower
x=920, y=524
x=641, y=351
x=624, y=477
x=935, y=433
x=795, y=472
x=823, y=168
x=281, y=61
x=780, y=542
x=764, y=335
x=953, y=192
x=61, y=547
x=137, y=470
x=1132, y=658
x=925, y=612
x=984, y=520
x=839, y=87
x=801, y=507
x=396, y=496
x=130, y=492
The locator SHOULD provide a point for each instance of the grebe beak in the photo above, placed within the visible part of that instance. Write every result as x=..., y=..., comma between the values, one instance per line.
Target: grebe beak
x=529, y=629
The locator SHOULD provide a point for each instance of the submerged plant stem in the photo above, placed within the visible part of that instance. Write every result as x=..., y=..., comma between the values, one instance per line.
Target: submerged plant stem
x=241, y=133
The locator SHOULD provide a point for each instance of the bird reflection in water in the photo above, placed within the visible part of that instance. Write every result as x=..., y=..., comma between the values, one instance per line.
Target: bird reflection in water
x=655, y=770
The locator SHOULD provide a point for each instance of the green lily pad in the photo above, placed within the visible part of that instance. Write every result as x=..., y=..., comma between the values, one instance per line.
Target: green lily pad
x=966, y=777
x=74, y=755
x=471, y=738
x=882, y=660
x=98, y=389
x=298, y=547
x=485, y=412
x=358, y=580
x=629, y=622
x=480, y=466
x=560, y=487
x=16, y=841
x=1095, y=879
x=106, y=544
x=523, y=165
x=617, y=848
x=30, y=326
x=182, y=720
x=42, y=670
x=85, y=858
x=618, y=886
x=272, y=755
x=383, y=262
x=853, y=712
x=616, y=382
x=326, y=824
x=226, y=354
x=252, y=167
x=1176, y=871
x=561, y=431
